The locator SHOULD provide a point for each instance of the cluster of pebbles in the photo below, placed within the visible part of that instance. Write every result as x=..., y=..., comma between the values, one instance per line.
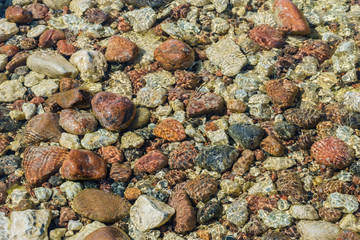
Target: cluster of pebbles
x=184, y=119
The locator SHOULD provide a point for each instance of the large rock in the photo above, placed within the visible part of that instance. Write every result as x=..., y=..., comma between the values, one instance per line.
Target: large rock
x=317, y=230
x=11, y=90
x=304, y=212
x=51, y=64
x=7, y=29
x=141, y=19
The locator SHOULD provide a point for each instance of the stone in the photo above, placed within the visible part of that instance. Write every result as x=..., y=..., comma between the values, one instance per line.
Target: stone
x=304, y=212
x=71, y=189
x=120, y=172
x=74, y=225
x=219, y=26
x=3, y=61
x=151, y=162
x=114, y=112
x=45, y=88
x=73, y=98
x=37, y=10
x=208, y=103
x=98, y=139
x=237, y=212
x=272, y=146
x=4, y=226
x=65, y=48
x=278, y=163
x=171, y=130
x=141, y=118
x=131, y=140
x=183, y=156
x=148, y=213
x=30, y=224
x=211, y=210
x=242, y=165
x=43, y=194
x=247, y=136
x=121, y=50
x=318, y=230
x=141, y=19
x=96, y=15
x=267, y=36
x=87, y=230
x=150, y=97
x=77, y=122
x=29, y=110
x=351, y=100
x=174, y=54
x=119, y=83
x=226, y=55
x=36, y=31
x=330, y=214
x=51, y=64
x=108, y=233
x=345, y=202
x=275, y=218
x=160, y=79
x=83, y=165
x=19, y=60
x=201, y=188
x=7, y=29
x=78, y=7
x=57, y=233
x=111, y=154
x=132, y=193
x=50, y=37
x=217, y=158
x=11, y=90
x=56, y=5
x=282, y=92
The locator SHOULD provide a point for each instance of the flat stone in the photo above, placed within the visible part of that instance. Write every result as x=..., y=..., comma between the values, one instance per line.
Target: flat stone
x=276, y=218
x=98, y=139
x=237, y=212
x=141, y=19
x=278, y=163
x=3, y=61
x=45, y=88
x=148, y=213
x=131, y=140
x=108, y=233
x=345, y=202
x=150, y=97
x=4, y=226
x=318, y=230
x=304, y=212
x=11, y=90
x=69, y=141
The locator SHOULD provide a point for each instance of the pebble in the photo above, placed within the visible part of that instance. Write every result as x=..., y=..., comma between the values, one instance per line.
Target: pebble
x=285, y=130
x=30, y=224
x=56, y=5
x=111, y=154
x=160, y=79
x=101, y=206
x=318, y=230
x=87, y=230
x=183, y=156
x=77, y=122
x=37, y=10
x=83, y=165
x=151, y=162
x=11, y=91
x=120, y=172
x=71, y=189
x=29, y=110
x=131, y=140
x=278, y=163
x=43, y=194
x=351, y=100
x=51, y=64
x=98, y=139
x=208, y=103
x=36, y=31
x=226, y=55
x=3, y=61
x=282, y=92
x=211, y=210
x=201, y=188
x=330, y=214
x=219, y=26
x=50, y=37
x=91, y=64
x=132, y=194
x=73, y=98
x=304, y=212
x=45, y=88
x=65, y=48
x=242, y=165
x=276, y=218
x=217, y=158
x=114, y=112
x=350, y=222
x=304, y=118
x=150, y=97
x=272, y=146
x=121, y=50
x=148, y=213
x=108, y=233
x=141, y=19
x=7, y=29
x=57, y=234
x=289, y=184
x=248, y=136
x=174, y=54
x=18, y=60
x=74, y=225
x=237, y=212
x=171, y=130
x=267, y=36
x=346, y=203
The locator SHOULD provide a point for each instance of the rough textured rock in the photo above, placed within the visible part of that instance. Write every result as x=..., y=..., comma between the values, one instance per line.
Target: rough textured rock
x=248, y=136
x=171, y=130
x=11, y=91
x=318, y=230
x=267, y=36
x=98, y=139
x=304, y=212
x=91, y=64
x=107, y=233
x=208, y=103
x=272, y=146
x=121, y=50
x=237, y=212
x=183, y=157
x=282, y=92
x=7, y=29
x=77, y=122
x=201, y=188
x=151, y=162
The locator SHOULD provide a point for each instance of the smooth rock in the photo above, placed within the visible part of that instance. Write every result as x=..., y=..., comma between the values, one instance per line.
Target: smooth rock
x=317, y=230
x=43, y=194
x=278, y=163
x=29, y=110
x=7, y=29
x=304, y=212
x=248, y=136
x=69, y=141
x=141, y=19
x=91, y=64
x=77, y=122
x=3, y=61
x=87, y=230
x=108, y=233
x=56, y=4
x=71, y=189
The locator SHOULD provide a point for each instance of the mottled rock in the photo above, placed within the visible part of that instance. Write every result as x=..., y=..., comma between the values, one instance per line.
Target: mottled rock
x=304, y=118
x=242, y=165
x=276, y=218
x=278, y=163
x=87, y=230
x=237, y=212
x=91, y=64
x=73, y=98
x=151, y=162
x=272, y=146
x=50, y=37
x=120, y=172
x=121, y=50
x=111, y=154
x=18, y=14
x=171, y=130
x=289, y=184
x=56, y=5
x=131, y=140
x=98, y=139
x=208, y=103
x=210, y=211
x=318, y=230
x=141, y=19
x=65, y=48
x=150, y=97
x=11, y=91
x=330, y=214
x=183, y=157
x=107, y=233
x=77, y=122
x=267, y=36
x=282, y=92
x=304, y=212
x=201, y=188
x=7, y=29
x=248, y=136
x=346, y=203
x=38, y=10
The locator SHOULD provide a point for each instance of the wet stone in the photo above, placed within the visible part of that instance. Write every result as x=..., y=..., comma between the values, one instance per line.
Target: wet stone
x=304, y=212
x=150, y=97
x=9, y=163
x=11, y=90
x=141, y=19
x=346, y=203
x=107, y=233
x=318, y=230
x=121, y=50
x=151, y=162
x=208, y=103
x=77, y=122
x=201, y=188
x=211, y=210
x=73, y=98
x=171, y=130
x=98, y=139
x=237, y=212
x=246, y=135
x=267, y=36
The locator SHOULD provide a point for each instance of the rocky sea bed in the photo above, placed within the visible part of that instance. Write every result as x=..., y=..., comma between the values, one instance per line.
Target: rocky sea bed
x=184, y=119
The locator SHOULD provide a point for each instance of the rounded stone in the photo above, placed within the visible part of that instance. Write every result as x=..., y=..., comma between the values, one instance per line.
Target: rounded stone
x=77, y=122
x=18, y=14
x=50, y=37
x=151, y=162
x=121, y=50
x=248, y=136
x=171, y=130
x=267, y=36
x=174, y=54
x=113, y=111
x=201, y=188
x=101, y=206
x=107, y=233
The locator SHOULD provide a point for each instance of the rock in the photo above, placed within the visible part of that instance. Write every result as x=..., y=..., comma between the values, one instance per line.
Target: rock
x=87, y=230
x=120, y=83
x=7, y=29
x=144, y=3
x=151, y=162
x=30, y=224
x=3, y=196
x=304, y=118
x=208, y=103
x=132, y=194
x=282, y=92
x=120, y=172
x=201, y=188
x=74, y=225
x=113, y=111
x=185, y=214
x=267, y=36
x=278, y=163
x=73, y=98
x=56, y=5
x=350, y=222
x=350, y=101
x=50, y=37
x=18, y=60
x=248, y=136
x=80, y=6
x=7, y=124
x=101, y=206
x=40, y=162
x=43, y=194
x=289, y=183
x=276, y=218
x=3, y=61
x=11, y=90
x=36, y=31
x=83, y=165
x=91, y=64
x=131, y=140
x=226, y=55
x=51, y=64
x=346, y=234
x=4, y=226
x=289, y=18
x=210, y=211
x=174, y=54
x=242, y=165
x=111, y=154
x=285, y=130
x=272, y=146
x=150, y=97
x=98, y=139
x=29, y=110
x=45, y=88
x=160, y=79
x=148, y=213
x=346, y=203
x=141, y=118
x=108, y=233
x=37, y=10
x=71, y=189
x=318, y=230
x=96, y=15
x=9, y=50
x=77, y=122
x=237, y=212
x=65, y=48
x=141, y=19
x=121, y=50
x=217, y=158
x=171, y=130
x=183, y=156
x=330, y=214
x=304, y=212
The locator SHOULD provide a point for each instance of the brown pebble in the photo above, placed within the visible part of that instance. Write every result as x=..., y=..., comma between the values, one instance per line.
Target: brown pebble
x=330, y=214
x=272, y=146
x=114, y=112
x=282, y=92
x=50, y=37
x=183, y=157
x=151, y=162
x=77, y=122
x=18, y=14
x=185, y=79
x=348, y=235
x=205, y=103
x=111, y=154
x=120, y=172
x=203, y=234
x=303, y=117
x=9, y=50
x=66, y=214
x=4, y=143
x=201, y=188
x=121, y=50
x=325, y=189
x=96, y=15
x=107, y=233
x=290, y=185
x=83, y=165
x=174, y=54
x=74, y=98
x=132, y=194
x=242, y=165
x=256, y=203
x=267, y=36
x=175, y=176
x=28, y=43
x=68, y=84
x=236, y=106
x=40, y=162
x=123, y=25
x=318, y=49
x=65, y=48
x=171, y=130
x=17, y=61
x=38, y=10
x=3, y=192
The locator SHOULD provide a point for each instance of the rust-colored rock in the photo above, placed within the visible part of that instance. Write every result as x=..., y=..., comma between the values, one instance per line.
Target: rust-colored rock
x=41, y=128
x=256, y=203
x=151, y=162
x=337, y=113
x=121, y=50
x=120, y=172
x=236, y=106
x=17, y=61
x=28, y=43
x=272, y=146
x=174, y=54
x=304, y=118
x=66, y=214
x=132, y=194
x=290, y=185
x=175, y=176
x=65, y=48
x=185, y=214
x=3, y=192
x=201, y=188
x=205, y=103
x=171, y=130
x=332, y=152
x=242, y=165
x=96, y=15
x=183, y=157
x=107, y=233
x=330, y=214
x=123, y=25
x=325, y=189
x=318, y=49
x=348, y=235
x=4, y=143
x=83, y=165
x=267, y=36
x=38, y=10
x=40, y=162
x=18, y=14
x=68, y=84
x=185, y=79
x=114, y=112
x=289, y=18
x=282, y=92
x=74, y=98
x=9, y=50
x=77, y=122
x=111, y=154
x=50, y=37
